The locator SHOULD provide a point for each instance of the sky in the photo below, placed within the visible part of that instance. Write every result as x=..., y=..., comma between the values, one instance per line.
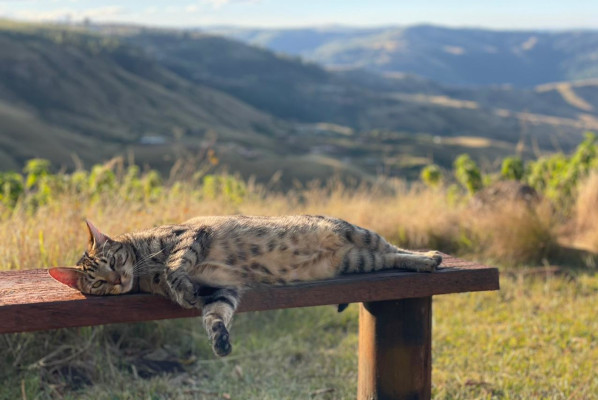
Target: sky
x=507, y=14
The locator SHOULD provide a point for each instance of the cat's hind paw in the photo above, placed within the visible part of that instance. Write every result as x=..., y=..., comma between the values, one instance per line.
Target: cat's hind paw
x=436, y=256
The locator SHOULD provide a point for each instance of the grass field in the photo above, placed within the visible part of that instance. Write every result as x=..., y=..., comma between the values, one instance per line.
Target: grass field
x=536, y=338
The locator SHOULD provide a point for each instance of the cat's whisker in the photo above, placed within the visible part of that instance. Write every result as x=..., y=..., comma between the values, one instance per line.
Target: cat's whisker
x=139, y=265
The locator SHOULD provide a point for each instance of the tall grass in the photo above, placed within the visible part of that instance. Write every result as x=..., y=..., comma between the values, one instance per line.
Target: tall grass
x=411, y=216
x=586, y=213
x=513, y=233
x=484, y=346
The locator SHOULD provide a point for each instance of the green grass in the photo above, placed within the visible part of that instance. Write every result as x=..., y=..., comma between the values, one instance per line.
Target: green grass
x=536, y=338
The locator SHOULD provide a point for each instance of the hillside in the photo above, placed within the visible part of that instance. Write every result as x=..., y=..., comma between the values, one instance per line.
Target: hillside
x=301, y=92
x=91, y=96
x=447, y=55
x=292, y=89
x=160, y=95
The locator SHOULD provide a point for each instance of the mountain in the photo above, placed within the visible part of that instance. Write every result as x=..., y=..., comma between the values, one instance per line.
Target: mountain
x=93, y=92
x=93, y=96
x=447, y=55
x=301, y=93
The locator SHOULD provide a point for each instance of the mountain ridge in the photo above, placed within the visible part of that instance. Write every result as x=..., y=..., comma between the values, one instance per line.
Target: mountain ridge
x=103, y=91
x=519, y=57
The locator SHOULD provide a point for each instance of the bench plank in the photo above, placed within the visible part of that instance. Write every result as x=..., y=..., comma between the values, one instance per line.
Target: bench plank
x=32, y=300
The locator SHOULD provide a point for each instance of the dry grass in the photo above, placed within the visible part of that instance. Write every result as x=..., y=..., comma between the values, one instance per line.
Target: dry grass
x=514, y=233
x=533, y=339
x=413, y=217
x=586, y=214
x=55, y=234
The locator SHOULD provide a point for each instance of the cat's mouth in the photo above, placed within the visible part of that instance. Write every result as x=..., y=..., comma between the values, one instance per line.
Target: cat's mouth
x=121, y=285
x=126, y=284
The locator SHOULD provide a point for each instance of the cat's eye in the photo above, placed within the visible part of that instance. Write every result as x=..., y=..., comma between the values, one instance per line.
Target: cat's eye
x=97, y=284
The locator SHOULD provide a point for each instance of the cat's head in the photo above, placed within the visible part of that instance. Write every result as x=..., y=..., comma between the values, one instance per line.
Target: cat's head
x=105, y=268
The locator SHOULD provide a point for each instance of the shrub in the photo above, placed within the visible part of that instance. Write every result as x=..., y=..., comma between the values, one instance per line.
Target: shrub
x=558, y=176
x=11, y=188
x=512, y=233
x=512, y=168
x=468, y=173
x=35, y=170
x=431, y=175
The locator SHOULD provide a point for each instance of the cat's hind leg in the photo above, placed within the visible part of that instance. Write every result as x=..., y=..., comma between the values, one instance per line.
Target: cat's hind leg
x=359, y=260
x=419, y=262
x=217, y=314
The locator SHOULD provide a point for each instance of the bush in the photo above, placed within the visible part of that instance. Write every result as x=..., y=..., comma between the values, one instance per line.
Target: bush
x=468, y=173
x=558, y=176
x=512, y=168
x=11, y=188
x=431, y=175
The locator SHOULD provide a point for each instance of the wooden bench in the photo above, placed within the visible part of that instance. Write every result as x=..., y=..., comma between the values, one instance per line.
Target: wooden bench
x=395, y=317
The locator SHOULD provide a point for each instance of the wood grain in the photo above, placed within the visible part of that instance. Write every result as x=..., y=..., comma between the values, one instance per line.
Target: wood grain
x=31, y=300
x=395, y=350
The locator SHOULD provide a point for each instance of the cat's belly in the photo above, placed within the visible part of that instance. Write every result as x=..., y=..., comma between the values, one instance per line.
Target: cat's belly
x=275, y=260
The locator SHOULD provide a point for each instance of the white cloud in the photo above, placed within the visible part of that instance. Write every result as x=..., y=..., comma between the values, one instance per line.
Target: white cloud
x=70, y=14
x=220, y=3
x=192, y=8
x=150, y=10
x=173, y=9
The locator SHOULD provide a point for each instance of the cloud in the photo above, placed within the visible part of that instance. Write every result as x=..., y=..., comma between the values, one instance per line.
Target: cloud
x=192, y=8
x=71, y=14
x=150, y=10
x=221, y=3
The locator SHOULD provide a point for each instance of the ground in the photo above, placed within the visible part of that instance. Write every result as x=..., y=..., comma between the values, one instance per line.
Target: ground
x=535, y=338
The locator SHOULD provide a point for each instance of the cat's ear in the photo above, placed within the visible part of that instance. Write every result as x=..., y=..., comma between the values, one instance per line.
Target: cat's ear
x=68, y=276
x=96, y=238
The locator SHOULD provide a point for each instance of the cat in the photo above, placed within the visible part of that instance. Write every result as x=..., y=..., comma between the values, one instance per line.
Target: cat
x=207, y=262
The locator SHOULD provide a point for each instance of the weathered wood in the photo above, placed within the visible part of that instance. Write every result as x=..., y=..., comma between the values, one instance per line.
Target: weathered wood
x=32, y=300
x=395, y=350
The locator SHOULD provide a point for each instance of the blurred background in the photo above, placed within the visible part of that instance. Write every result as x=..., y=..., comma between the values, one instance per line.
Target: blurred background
x=303, y=89
x=459, y=126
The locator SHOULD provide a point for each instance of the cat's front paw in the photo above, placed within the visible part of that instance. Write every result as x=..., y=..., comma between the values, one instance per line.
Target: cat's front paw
x=221, y=340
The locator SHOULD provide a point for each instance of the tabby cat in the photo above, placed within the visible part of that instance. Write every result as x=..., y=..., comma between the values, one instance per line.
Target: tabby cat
x=207, y=262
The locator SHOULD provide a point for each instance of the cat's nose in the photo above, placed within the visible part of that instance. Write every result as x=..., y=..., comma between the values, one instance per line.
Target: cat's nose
x=116, y=280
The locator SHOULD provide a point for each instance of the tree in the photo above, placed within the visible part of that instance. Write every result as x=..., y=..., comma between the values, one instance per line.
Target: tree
x=431, y=175
x=468, y=173
x=512, y=168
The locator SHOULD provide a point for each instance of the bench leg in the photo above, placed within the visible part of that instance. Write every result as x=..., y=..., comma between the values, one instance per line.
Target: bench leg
x=395, y=349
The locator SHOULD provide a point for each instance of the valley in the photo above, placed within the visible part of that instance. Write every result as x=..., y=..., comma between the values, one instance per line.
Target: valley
x=78, y=95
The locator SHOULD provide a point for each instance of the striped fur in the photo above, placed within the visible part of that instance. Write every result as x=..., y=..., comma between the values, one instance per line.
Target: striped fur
x=207, y=262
